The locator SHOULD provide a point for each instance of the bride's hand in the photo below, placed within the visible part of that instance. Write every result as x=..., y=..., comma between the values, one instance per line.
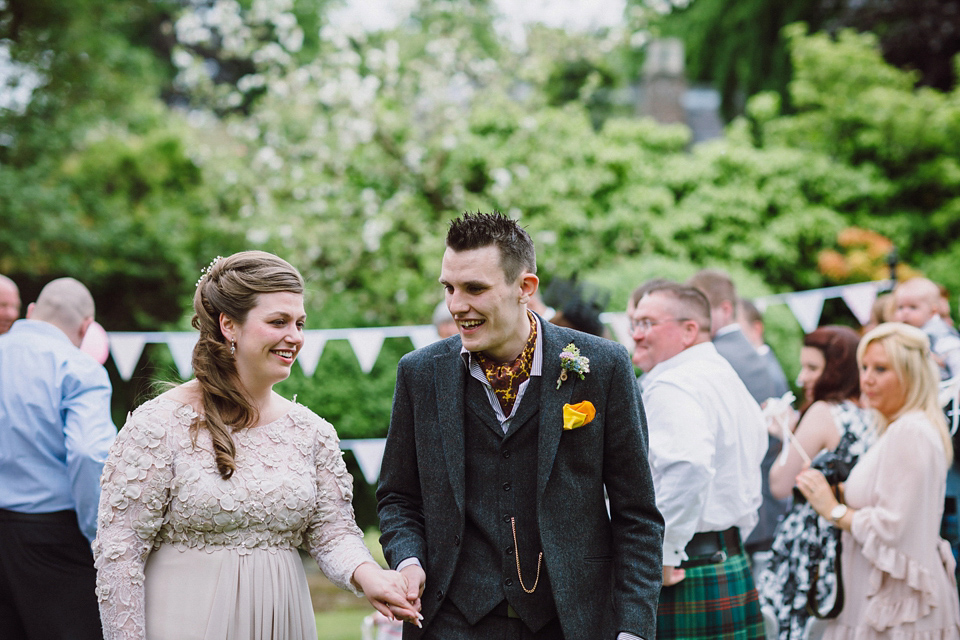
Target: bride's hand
x=387, y=592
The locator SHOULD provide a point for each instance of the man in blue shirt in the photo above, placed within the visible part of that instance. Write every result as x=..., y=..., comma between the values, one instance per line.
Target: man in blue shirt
x=55, y=432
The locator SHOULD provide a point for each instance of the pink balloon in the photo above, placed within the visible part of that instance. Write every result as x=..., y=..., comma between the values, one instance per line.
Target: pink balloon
x=95, y=343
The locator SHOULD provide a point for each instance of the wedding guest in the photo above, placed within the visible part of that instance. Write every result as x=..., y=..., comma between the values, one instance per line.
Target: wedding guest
x=707, y=438
x=918, y=304
x=578, y=306
x=55, y=431
x=443, y=322
x=502, y=444
x=881, y=311
x=751, y=322
x=9, y=303
x=212, y=486
x=802, y=568
x=732, y=344
x=897, y=571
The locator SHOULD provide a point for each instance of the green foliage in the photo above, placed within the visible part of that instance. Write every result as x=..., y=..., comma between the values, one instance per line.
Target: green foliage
x=350, y=162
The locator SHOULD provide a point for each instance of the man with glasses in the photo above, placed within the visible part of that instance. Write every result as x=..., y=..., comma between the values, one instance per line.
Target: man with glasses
x=707, y=438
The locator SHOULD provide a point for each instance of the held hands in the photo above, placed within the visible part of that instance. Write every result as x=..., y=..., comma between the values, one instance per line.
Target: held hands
x=388, y=592
x=817, y=491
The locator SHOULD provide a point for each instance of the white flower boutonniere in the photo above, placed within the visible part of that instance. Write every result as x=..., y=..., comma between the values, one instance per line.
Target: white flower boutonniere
x=571, y=360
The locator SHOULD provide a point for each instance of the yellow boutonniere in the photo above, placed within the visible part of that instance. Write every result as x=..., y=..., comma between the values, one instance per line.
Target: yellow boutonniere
x=577, y=415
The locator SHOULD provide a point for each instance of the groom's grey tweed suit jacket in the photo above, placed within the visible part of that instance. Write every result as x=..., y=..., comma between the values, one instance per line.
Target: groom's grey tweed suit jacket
x=605, y=571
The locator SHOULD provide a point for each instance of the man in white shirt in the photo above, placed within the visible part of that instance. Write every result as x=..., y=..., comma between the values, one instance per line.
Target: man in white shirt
x=707, y=440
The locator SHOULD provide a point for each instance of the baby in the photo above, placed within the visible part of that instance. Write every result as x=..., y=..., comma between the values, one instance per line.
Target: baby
x=917, y=303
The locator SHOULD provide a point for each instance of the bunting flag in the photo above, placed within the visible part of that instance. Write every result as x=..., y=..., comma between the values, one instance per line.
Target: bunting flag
x=369, y=455
x=125, y=348
x=310, y=352
x=366, y=345
x=423, y=336
x=806, y=307
x=860, y=299
x=181, y=348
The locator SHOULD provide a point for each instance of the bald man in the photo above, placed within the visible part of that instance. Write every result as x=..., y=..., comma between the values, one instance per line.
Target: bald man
x=55, y=432
x=917, y=303
x=9, y=303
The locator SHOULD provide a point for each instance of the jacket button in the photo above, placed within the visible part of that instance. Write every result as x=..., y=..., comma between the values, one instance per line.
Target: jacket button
x=508, y=582
x=456, y=540
x=506, y=486
x=439, y=594
x=506, y=454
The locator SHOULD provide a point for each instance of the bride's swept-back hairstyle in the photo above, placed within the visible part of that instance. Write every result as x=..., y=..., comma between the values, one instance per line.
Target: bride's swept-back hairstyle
x=230, y=286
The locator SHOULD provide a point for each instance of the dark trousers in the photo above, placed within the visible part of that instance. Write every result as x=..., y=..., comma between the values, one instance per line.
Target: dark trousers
x=449, y=624
x=47, y=579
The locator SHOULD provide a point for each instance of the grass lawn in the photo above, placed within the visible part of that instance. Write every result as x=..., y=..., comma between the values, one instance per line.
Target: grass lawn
x=339, y=614
x=343, y=624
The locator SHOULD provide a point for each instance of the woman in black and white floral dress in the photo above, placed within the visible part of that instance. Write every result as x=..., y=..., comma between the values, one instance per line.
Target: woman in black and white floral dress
x=804, y=548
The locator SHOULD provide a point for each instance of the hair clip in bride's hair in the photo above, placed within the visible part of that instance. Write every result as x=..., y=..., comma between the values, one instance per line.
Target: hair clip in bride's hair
x=206, y=270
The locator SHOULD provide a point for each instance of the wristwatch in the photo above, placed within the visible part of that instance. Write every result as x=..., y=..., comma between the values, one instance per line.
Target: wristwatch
x=838, y=512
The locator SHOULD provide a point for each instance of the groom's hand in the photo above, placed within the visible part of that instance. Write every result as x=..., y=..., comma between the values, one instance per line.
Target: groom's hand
x=415, y=580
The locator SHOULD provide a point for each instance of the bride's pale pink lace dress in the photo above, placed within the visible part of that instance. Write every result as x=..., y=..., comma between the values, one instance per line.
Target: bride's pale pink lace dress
x=182, y=553
x=897, y=572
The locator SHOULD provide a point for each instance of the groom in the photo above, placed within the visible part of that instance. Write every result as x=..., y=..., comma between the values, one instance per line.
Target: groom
x=502, y=441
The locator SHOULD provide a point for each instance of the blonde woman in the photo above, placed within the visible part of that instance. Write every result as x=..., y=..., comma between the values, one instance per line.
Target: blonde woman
x=212, y=486
x=897, y=571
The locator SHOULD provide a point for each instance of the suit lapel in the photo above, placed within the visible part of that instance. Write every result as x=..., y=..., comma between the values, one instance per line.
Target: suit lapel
x=449, y=377
x=551, y=403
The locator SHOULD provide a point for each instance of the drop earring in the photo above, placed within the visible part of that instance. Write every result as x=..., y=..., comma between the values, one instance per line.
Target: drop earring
x=233, y=347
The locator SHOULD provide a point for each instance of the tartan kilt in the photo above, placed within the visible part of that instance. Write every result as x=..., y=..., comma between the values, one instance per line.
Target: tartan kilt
x=712, y=601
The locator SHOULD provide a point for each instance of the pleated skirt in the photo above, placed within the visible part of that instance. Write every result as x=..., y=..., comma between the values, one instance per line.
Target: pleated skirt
x=196, y=594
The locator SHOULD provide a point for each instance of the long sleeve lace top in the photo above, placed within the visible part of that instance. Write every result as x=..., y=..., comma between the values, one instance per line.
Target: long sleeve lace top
x=290, y=489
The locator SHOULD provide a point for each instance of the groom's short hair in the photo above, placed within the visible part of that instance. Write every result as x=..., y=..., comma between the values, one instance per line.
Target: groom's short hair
x=478, y=230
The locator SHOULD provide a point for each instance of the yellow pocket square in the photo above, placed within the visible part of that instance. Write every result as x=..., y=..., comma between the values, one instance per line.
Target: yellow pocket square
x=577, y=415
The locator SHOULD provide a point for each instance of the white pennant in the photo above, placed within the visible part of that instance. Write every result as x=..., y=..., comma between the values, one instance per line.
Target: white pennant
x=126, y=349
x=860, y=298
x=366, y=345
x=761, y=304
x=310, y=352
x=423, y=336
x=806, y=307
x=621, y=329
x=369, y=455
x=181, y=347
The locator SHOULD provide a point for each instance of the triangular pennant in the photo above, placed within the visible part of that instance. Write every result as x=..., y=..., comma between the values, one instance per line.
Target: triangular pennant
x=860, y=298
x=126, y=349
x=423, y=336
x=761, y=304
x=806, y=307
x=310, y=352
x=366, y=345
x=620, y=324
x=181, y=347
x=369, y=455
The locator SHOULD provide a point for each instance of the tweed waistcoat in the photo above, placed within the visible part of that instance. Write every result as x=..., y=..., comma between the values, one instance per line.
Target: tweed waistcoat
x=501, y=483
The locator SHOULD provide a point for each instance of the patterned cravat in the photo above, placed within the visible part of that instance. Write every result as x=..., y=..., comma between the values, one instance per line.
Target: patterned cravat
x=506, y=378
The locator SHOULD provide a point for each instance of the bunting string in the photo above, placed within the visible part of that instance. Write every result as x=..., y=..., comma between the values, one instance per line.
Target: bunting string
x=126, y=347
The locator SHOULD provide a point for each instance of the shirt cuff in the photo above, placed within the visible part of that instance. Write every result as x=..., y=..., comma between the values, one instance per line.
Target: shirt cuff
x=412, y=560
x=623, y=635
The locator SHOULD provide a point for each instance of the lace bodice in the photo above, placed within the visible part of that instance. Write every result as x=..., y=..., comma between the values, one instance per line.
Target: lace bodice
x=290, y=488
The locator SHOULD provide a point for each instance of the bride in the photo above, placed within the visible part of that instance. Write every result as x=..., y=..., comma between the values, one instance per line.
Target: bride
x=212, y=487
